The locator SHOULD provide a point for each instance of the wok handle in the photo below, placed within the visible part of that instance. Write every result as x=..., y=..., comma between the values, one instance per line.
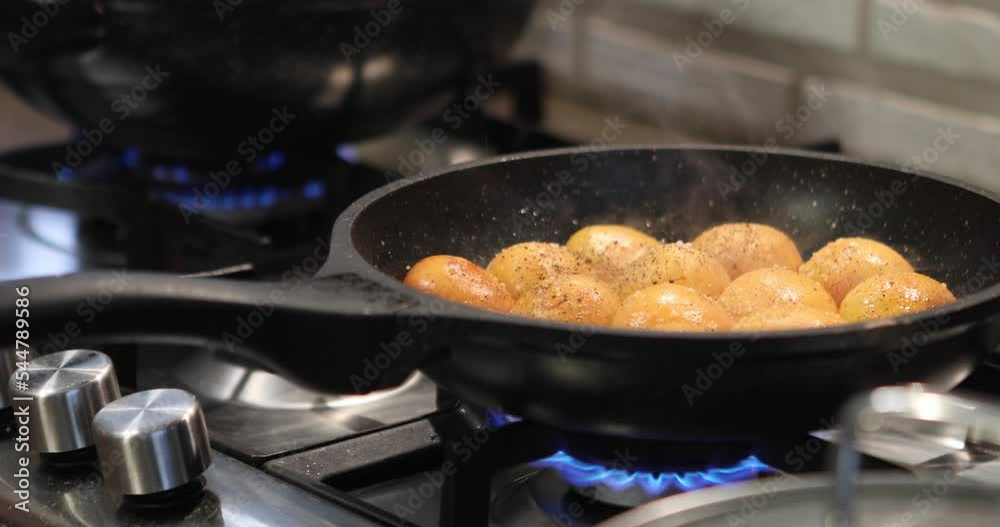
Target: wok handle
x=871, y=412
x=326, y=333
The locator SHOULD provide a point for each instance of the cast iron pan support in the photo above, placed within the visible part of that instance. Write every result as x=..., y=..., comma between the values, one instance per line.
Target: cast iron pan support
x=479, y=450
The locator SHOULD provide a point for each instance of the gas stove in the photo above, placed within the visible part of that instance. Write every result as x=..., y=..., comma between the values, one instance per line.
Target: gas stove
x=414, y=456
x=409, y=456
x=282, y=455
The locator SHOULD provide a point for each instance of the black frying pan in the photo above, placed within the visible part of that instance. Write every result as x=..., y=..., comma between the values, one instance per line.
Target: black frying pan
x=356, y=328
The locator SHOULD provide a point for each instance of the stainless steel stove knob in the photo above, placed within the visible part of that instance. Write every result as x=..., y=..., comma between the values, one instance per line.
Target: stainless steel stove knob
x=152, y=442
x=66, y=389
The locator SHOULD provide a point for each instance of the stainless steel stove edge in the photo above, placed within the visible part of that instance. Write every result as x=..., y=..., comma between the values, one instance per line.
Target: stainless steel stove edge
x=236, y=495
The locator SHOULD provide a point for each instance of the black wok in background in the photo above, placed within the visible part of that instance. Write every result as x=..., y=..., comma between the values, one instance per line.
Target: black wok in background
x=225, y=76
x=356, y=328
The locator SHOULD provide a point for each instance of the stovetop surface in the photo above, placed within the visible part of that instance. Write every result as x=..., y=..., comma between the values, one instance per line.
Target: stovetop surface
x=236, y=494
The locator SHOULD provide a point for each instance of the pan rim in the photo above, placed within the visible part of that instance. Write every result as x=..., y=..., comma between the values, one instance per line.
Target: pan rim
x=348, y=259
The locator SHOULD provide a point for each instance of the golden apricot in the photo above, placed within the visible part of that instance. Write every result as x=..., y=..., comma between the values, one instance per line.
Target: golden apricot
x=674, y=263
x=745, y=247
x=892, y=294
x=610, y=248
x=522, y=266
x=672, y=307
x=845, y=262
x=776, y=287
x=571, y=298
x=459, y=280
x=783, y=317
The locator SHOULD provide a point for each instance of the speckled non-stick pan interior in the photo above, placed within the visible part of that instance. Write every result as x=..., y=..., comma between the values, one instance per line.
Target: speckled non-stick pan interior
x=945, y=231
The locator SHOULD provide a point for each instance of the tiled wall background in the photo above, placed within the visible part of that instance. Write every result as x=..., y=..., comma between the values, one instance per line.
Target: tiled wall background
x=896, y=72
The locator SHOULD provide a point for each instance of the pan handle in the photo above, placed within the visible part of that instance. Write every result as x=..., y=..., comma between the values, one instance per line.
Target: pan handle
x=332, y=333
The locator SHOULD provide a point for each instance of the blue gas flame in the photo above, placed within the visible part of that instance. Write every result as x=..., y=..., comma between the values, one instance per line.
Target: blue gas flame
x=66, y=175
x=255, y=197
x=495, y=419
x=271, y=162
x=226, y=199
x=583, y=474
x=131, y=157
x=349, y=153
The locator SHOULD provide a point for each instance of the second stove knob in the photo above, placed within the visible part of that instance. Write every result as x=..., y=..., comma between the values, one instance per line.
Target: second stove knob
x=152, y=442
